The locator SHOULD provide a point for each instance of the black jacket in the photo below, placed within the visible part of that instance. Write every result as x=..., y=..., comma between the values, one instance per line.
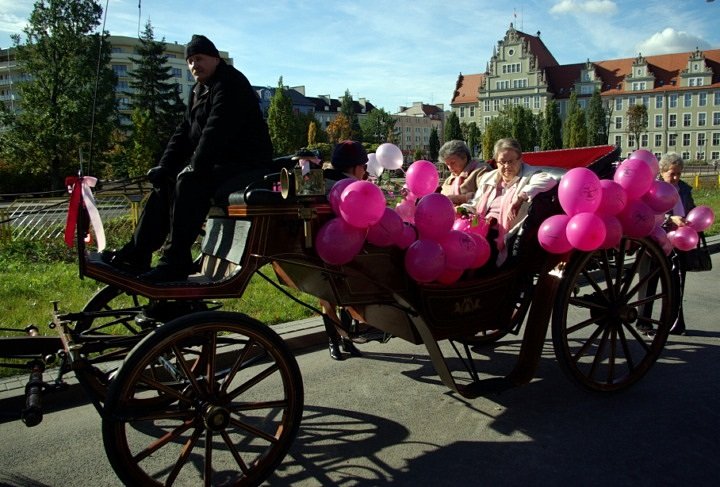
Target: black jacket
x=223, y=128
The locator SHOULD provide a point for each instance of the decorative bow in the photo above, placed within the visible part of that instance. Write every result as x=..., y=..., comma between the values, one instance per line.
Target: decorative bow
x=81, y=187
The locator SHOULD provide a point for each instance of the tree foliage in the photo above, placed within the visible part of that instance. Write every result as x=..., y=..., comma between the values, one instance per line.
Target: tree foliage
x=153, y=92
x=637, y=121
x=473, y=137
x=498, y=128
x=377, y=126
x=575, y=127
x=67, y=109
x=452, y=128
x=596, y=121
x=281, y=122
x=551, y=127
x=347, y=108
x=434, y=143
x=339, y=129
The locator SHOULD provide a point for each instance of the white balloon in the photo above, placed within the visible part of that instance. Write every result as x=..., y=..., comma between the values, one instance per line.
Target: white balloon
x=390, y=156
x=374, y=168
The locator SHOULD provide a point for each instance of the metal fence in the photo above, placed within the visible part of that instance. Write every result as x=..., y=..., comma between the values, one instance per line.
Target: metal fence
x=44, y=218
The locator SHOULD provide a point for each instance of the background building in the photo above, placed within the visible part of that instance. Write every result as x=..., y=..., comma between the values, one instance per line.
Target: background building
x=414, y=124
x=681, y=92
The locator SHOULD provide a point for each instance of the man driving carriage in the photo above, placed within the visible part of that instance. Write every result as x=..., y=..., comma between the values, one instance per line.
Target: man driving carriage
x=221, y=145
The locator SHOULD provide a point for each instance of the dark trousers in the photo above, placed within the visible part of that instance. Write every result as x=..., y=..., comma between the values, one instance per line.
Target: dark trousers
x=174, y=213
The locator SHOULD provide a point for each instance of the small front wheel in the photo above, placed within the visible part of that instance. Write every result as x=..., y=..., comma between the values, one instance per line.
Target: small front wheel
x=613, y=314
x=233, y=404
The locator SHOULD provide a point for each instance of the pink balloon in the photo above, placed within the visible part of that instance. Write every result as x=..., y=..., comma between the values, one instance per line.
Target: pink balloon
x=661, y=196
x=649, y=159
x=635, y=176
x=338, y=242
x=613, y=232
x=406, y=210
x=336, y=193
x=425, y=260
x=434, y=216
x=661, y=237
x=637, y=219
x=460, y=249
x=700, y=217
x=461, y=223
x=449, y=276
x=482, y=253
x=406, y=237
x=552, y=236
x=684, y=238
x=362, y=204
x=613, y=198
x=422, y=178
x=579, y=191
x=385, y=232
x=585, y=231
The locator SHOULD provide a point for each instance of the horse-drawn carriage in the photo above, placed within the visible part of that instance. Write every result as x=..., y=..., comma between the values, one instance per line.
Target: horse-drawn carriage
x=189, y=392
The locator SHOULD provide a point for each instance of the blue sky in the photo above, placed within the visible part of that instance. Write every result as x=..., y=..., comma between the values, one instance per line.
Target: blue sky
x=398, y=52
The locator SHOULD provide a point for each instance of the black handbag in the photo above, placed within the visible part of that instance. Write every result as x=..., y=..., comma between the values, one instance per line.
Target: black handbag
x=697, y=259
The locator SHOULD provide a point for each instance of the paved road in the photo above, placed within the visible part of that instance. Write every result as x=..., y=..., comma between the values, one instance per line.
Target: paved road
x=386, y=419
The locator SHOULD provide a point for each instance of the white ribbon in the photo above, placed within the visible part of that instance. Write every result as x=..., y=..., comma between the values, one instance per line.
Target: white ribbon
x=89, y=182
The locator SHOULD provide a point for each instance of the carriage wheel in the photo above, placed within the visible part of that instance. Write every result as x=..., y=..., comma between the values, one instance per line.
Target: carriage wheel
x=613, y=313
x=236, y=404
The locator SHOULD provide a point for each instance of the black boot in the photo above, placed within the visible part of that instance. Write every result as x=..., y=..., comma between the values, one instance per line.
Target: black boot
x=349, y=347
x=334, y=348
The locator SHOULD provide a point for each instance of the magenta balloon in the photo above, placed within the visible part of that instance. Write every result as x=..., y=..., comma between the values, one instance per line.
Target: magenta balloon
x=406, y=237
x=425, y=260
x=661, y=196
x=552, y=236
x=385, y=232
x=700, y=217
x=449, y=276
x=336, y=193
x=635, y=176
x=579, y=191
x=661, y=237
x=649, y=159
x=337, y=242
x=637, y=219
x=585, y=231
x=613, y=198
x=460, y=249
x=462, y=224
x=362, y=204
x=422, y=178
x=482, y=252
x=434, y=216
x=613, y=232
x=406, y=210
x=684, y=238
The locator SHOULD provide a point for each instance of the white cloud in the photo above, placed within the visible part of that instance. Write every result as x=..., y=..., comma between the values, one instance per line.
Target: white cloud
x=669, y=41
x=584, y=7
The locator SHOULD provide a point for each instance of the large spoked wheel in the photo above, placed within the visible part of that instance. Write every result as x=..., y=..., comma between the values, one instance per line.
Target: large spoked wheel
x=613, y=313
x=234, y=401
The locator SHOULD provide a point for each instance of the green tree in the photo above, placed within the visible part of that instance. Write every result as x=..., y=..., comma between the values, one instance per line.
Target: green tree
x=282, y=122
x=596, y=121
x=523, y=127
x=347, y=108
x=473, y=138
x=551, y=127
x=377, y=126
x=452, y=128
x=637, y=121
x=68, y=97
x=144, y=145
x=153, y=91
x=339, y=129
x=575, y=127
x=498, y=128
x=434, y=143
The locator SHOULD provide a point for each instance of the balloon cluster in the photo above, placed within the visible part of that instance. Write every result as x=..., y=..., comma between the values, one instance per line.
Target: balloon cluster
x=599, y=212
x=438, y=247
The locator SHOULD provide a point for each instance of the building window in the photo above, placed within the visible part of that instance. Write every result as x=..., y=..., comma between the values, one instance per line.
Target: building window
x=702, y=99
x=519, y=83
x=119, y=69
x=658, y=101
x=716, y=138
x=658, y=140
x=618, y=123
x=644, y=140
x=695, y=82
x=715, y=155
x=496, y=105
x=672, y=101
x=672, y=140
x=631, y=101
x=618, y=141
x=536, y=102
x=658, y=121
x=686, y=140
x=177, y=72
x=486, y=121
x=462, y=112
x=716, y=118
x=701, y=139
x=646, y=100
x=638, y=85
x=685, y=155
x=687, y=119
x=502, y=85
x=672, y=120
x=702, y=119
x=716, y=98
x=526, y=102
x=631, y=140
x=700, y=156
x=587, y=89
x=487, y=105
x=618, y=103
x=687, y=100
x=472, y=111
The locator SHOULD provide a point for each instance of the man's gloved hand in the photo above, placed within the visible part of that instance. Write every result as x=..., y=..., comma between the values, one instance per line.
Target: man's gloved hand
x=158, y=175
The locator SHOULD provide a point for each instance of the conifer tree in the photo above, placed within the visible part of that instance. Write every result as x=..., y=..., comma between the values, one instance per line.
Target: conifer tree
x=281, y=121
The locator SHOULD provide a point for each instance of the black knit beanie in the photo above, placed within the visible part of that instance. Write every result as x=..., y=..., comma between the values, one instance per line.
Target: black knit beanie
x=200, y=44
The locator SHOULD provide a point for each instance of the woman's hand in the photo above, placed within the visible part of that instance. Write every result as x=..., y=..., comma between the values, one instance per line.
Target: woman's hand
x=678, y=221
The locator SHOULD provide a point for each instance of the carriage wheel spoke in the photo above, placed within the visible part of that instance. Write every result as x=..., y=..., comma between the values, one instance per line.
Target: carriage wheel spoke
x=184, y=455
x=252, y=429
x=253, y=381
x=234, y=452
x=242, y=356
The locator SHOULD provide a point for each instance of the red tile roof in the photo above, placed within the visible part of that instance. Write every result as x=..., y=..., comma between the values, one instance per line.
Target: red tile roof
x=466, y=88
